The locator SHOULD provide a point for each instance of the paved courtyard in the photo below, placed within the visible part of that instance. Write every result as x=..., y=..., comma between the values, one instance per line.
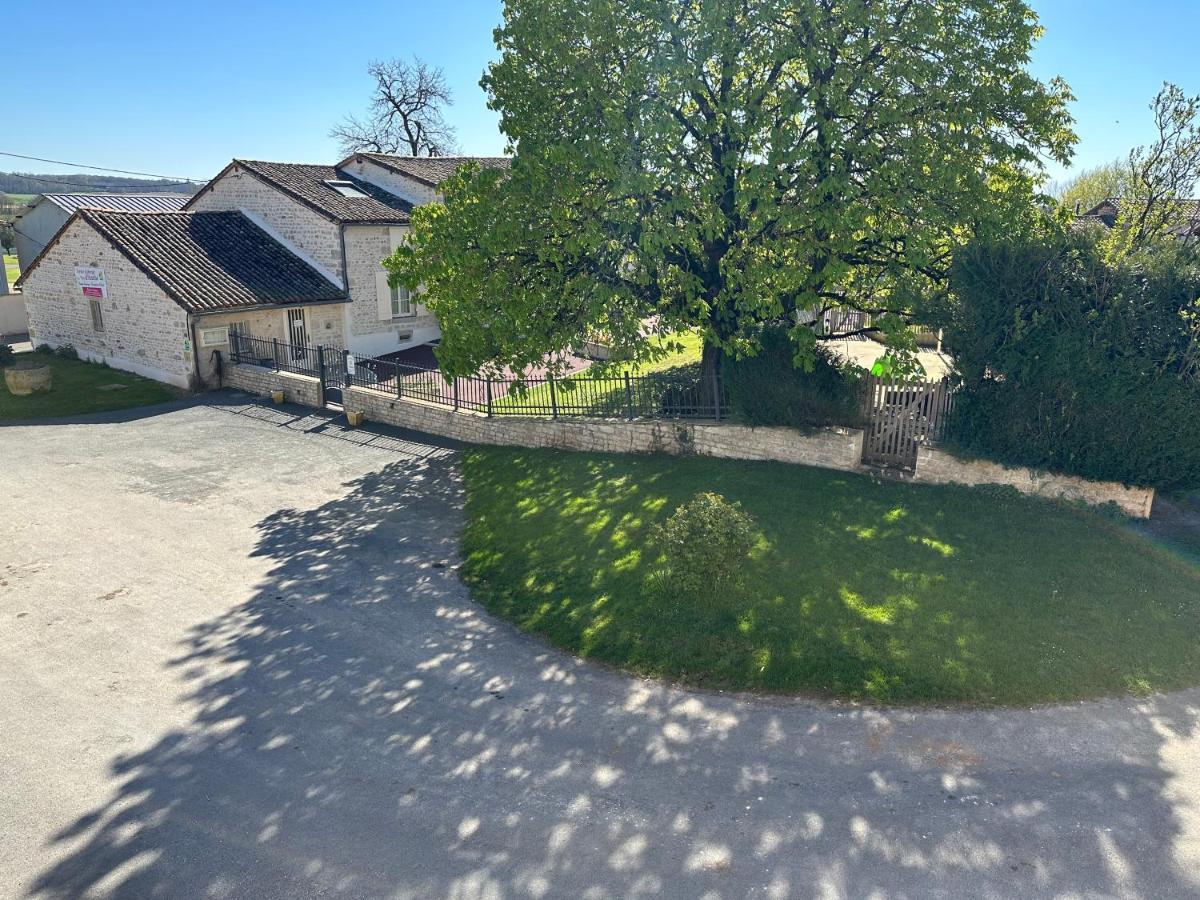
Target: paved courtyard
x=236, y=661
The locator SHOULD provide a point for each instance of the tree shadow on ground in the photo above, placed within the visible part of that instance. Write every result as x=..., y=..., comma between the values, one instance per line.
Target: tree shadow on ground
x=362, y=729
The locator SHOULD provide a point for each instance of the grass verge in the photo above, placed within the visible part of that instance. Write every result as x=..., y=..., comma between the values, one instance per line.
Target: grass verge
x=81, y=387
x=882, y=591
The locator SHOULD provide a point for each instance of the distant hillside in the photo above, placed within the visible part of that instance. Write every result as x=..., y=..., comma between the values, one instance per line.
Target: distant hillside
x=29, y=183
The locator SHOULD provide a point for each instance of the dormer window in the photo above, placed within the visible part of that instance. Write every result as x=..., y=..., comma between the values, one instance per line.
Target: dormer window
x=347, y=189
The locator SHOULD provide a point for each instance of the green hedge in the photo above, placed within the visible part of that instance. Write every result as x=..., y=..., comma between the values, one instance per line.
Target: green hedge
x=768, y=389
x=1073, y=365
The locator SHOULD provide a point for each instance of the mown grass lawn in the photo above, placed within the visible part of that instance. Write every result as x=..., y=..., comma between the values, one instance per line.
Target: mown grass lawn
x=11, y=268
x=80, y=387
x=882, y=591
x=578, y=393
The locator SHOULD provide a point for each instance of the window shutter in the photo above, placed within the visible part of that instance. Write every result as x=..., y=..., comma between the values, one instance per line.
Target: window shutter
x=395, y=237
x=383, y=295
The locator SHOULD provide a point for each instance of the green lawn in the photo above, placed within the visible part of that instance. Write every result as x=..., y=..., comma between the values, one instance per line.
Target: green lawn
x=579, y=391
x=885, y=591
x=80, y=387
x=11, y=268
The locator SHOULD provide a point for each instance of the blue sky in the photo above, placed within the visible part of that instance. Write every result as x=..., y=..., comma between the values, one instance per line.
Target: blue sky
x=180, y=89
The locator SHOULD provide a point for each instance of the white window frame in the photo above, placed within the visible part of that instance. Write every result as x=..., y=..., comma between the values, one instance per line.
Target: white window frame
x=214, y=337
x=402, y=303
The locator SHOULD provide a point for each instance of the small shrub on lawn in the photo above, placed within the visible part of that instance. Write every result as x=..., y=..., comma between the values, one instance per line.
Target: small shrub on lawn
x=67, y=351
x=6, y=355
x=705, y=541
x=768, y=389
x=44, y=348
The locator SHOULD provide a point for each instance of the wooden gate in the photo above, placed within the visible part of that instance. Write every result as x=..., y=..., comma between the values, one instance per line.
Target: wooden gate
x=899, y=416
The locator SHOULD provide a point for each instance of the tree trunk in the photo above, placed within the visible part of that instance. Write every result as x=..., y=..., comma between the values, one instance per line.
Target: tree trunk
x=712, y=360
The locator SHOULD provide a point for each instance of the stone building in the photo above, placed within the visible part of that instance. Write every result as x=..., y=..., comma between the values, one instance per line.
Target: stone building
x=336, y=222
x=155, y=293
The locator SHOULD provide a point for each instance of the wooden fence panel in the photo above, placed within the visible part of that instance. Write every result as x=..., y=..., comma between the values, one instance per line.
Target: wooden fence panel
x=900, y=415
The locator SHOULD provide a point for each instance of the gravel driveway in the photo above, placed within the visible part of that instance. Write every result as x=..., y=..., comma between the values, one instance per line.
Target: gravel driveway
x=237, y=662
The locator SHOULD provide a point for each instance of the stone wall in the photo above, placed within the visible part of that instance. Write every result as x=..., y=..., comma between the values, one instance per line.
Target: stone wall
x=370, y=335
x=324, y=323
x=299, y=389
x=941, y=467
x=830, y=448
x=310, y=236
x=145, y=331
x=826, y=448
x=833, y=448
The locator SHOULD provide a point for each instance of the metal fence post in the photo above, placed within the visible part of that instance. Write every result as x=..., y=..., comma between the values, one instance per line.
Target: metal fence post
x=629, y=394
x=320, y=375
x=455, y=392
x=553, y=398
x=399, y=381
x=489, y=397
x=345, y=371
x=275, y=352
x=716, y=386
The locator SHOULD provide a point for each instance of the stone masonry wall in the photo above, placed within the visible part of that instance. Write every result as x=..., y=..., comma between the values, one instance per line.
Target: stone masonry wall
x=145, y=331
x=834, y=448
x=366, y=247
x=313, y=237
x=827, y=448
x=299, y=389
x=324, y=322
x=942, y=467
x=831, y=448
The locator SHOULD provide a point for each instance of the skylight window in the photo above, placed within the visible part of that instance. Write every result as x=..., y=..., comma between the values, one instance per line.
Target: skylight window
x=347, y=189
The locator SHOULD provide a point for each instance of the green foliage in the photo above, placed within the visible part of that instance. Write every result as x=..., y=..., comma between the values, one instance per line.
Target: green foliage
x=44, y=348
x=722, y=165
x=1091, y=186
x=704, y=542
x=770, y=389
x=66, y=351
x=6, y=355
x=1161, y=178
x=1076, y=365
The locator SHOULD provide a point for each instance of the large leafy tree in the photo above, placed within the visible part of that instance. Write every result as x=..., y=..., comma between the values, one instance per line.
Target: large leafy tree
x=724, y=163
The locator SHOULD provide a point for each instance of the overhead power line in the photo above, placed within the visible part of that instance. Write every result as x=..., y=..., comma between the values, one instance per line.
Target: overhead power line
x=59, y=162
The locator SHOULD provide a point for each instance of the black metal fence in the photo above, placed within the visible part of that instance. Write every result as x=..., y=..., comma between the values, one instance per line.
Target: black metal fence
x=604, y=393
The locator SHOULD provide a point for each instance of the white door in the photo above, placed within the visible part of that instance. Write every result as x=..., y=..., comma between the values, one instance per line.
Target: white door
x=297, y=332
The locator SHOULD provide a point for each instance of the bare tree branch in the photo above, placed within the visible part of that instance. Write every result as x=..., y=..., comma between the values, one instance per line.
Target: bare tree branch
x=405, y=115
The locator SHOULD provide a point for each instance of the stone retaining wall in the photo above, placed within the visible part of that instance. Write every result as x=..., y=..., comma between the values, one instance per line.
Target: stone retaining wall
x=942, y=467
x=827, y=448
x=299, y=389
x=831, y=448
